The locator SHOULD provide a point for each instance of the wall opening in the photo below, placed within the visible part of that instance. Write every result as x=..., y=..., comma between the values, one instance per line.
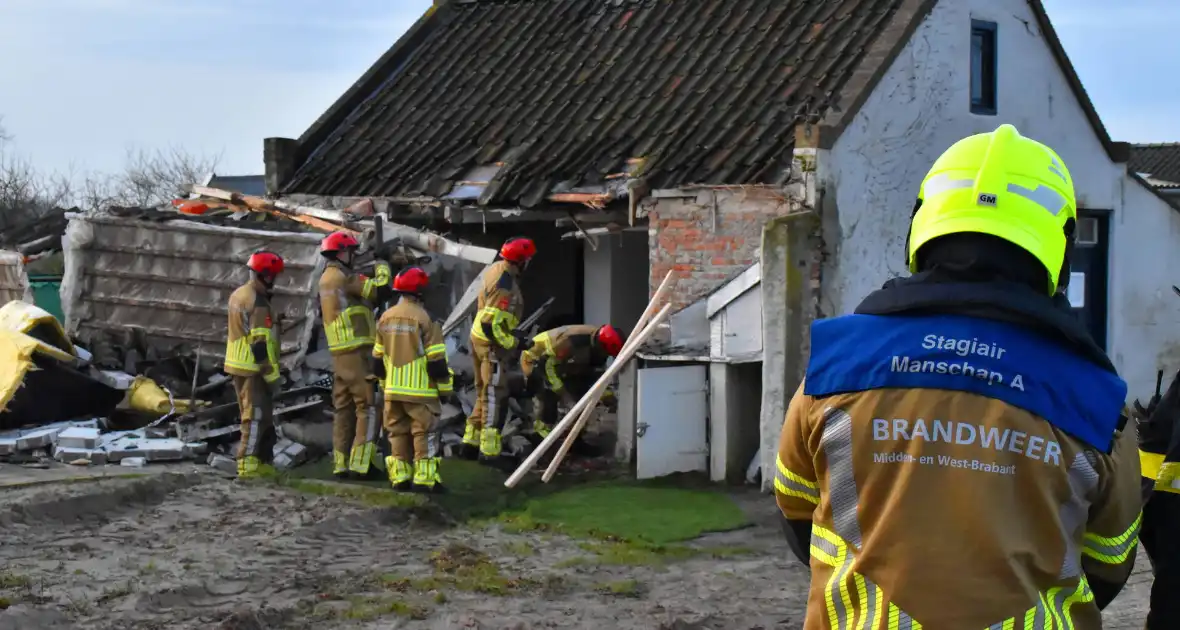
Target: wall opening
x=984, y=68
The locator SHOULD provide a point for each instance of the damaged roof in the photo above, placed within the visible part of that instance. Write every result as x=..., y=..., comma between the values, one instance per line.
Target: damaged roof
x=563, y=93
x=1159, y=163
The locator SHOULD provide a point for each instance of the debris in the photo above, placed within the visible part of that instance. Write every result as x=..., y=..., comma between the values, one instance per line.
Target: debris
x=288, y=454
x=79, y=456
x=134, y=462
x=223, y=463
x=80, y=438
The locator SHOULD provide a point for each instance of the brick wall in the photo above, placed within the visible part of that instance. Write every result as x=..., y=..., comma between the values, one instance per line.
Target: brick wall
x=708, y=238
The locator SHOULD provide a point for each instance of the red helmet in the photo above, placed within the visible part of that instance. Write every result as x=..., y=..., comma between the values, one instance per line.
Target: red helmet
x=264, y=263
x=518, y=250
x=337, y=241
x=610, y=340
x=412, y=280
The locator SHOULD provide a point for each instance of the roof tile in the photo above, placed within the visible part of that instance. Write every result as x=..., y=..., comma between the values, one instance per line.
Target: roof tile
x=1161, y=161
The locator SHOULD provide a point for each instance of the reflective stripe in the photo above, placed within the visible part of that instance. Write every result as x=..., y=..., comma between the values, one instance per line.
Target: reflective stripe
x=1083, y=481
x=551, y=375
x=792, y=485
x=1113, y=550
x=837, y=445
x=436, y=351
x=1169, y=477
x=371, y=284
x=1150, y=464
x=502, y=323
x=340, y=332
x=238, y=355
x=410, y=379
x=1052, y=201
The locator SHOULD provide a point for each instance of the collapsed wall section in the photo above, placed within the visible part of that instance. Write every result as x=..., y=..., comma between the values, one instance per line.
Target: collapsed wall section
x=169, y=282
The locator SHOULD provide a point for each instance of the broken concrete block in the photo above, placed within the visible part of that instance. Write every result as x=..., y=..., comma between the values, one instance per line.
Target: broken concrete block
x=154, y=450
x=288, y=454
x=79, y=438
x=38, y=438
x=196, y=448
x=223, y=463
x=134, y=462
x=68, y=455
x=114, y=379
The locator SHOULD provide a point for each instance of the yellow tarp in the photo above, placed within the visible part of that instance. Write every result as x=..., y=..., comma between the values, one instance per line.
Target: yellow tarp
x=23, y=317
x=16, y=359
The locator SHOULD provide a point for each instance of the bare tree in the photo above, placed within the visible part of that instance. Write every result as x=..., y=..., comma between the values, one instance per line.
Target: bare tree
x=153, y=178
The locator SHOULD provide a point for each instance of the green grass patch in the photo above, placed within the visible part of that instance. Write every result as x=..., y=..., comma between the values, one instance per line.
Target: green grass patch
x=462, y=568
x=639, y=554
x=13, y=581
x=639, y=513
x=379, y=497
x=368, y=608
x=622, y=588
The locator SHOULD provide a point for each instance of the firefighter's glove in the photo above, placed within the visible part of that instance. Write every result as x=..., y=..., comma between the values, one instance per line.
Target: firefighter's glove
x=378, y=366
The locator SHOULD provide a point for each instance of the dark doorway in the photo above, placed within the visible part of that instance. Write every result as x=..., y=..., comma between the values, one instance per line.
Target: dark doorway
x=1090, y=271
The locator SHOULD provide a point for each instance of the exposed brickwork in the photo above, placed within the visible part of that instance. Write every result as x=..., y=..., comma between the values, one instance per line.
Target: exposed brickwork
x=709, y=238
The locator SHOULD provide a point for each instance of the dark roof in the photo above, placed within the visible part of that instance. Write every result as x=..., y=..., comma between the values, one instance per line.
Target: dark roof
x=1160, y=162
x=564, y=92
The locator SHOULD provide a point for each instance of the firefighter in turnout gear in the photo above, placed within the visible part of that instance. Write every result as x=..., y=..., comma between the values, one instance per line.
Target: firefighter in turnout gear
x=252, y=360
x=1159, y=459
x=565, y=353
x=345, y=298
x=412, y=359
x=957, y=455
x=494, y=339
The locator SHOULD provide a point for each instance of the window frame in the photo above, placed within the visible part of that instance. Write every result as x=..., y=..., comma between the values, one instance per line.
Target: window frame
x=987, y=61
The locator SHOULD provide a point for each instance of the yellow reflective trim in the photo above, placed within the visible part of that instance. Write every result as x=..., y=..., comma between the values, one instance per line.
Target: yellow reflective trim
x=340, y=333
x=1150, y=464
x=1115, y=549
x=555, y=382
x=433, y=352
x=792, y=485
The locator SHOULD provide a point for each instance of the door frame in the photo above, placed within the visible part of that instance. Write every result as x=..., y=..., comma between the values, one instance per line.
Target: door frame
x=1097, y=292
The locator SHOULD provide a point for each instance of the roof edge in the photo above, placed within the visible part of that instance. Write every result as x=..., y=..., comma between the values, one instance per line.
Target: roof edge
x=1171, y=202
x=368, y=82
x=1119, y=152
x=872, y=67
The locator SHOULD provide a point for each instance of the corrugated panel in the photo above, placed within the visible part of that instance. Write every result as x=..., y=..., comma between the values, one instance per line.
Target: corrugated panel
x=14, y=284
x=566, y=91
x=173, y=280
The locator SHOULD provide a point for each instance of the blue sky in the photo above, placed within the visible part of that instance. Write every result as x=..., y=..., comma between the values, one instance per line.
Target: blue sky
x=82, y=81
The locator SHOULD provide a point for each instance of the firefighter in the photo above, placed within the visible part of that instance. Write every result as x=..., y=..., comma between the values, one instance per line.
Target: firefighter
x=568, y=353
x=1159, y=458
x=252, y=359
x=958, y=456
x=345, y=298
x=411, y=358
x=494, y=339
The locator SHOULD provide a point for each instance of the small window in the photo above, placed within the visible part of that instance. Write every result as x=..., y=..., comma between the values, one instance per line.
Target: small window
x=1087, y=231
x=983, y=68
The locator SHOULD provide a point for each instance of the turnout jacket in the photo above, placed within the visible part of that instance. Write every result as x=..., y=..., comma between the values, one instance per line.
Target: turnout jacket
x=411, y=347
x=251, y=347
x=348, y=321
x=499, y=306
x=562, y=352
x=956, y=464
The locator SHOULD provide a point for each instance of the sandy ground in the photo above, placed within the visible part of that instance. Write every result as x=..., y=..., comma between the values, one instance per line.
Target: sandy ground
x=189, y=549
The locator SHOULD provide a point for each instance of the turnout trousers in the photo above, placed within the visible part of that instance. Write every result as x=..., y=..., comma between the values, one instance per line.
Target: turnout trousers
x=1161, y=523
x=256, y=407
x=354, y=424
x=414, y=443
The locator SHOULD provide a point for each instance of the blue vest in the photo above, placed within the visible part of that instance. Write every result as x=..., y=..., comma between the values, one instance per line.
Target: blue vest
x=856, y=353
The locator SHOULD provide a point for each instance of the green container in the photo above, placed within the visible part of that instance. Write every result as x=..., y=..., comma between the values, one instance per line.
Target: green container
x=47, y=294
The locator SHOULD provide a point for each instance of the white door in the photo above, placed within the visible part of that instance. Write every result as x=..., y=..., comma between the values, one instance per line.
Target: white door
x=672, y=421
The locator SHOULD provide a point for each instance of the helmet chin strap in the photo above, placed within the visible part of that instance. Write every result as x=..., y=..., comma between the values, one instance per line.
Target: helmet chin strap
x=1064, y=273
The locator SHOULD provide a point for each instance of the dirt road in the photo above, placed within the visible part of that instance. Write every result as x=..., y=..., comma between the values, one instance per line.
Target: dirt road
x=194, y=550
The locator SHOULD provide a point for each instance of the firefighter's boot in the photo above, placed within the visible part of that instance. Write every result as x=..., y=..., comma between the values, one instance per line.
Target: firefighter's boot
x=471, y=442
x=401, y=474
x=250, y=467
x=426, y=477
x=340, y=466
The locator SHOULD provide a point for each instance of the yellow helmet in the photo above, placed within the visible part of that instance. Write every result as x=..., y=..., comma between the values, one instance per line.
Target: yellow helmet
x=1003, y=184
